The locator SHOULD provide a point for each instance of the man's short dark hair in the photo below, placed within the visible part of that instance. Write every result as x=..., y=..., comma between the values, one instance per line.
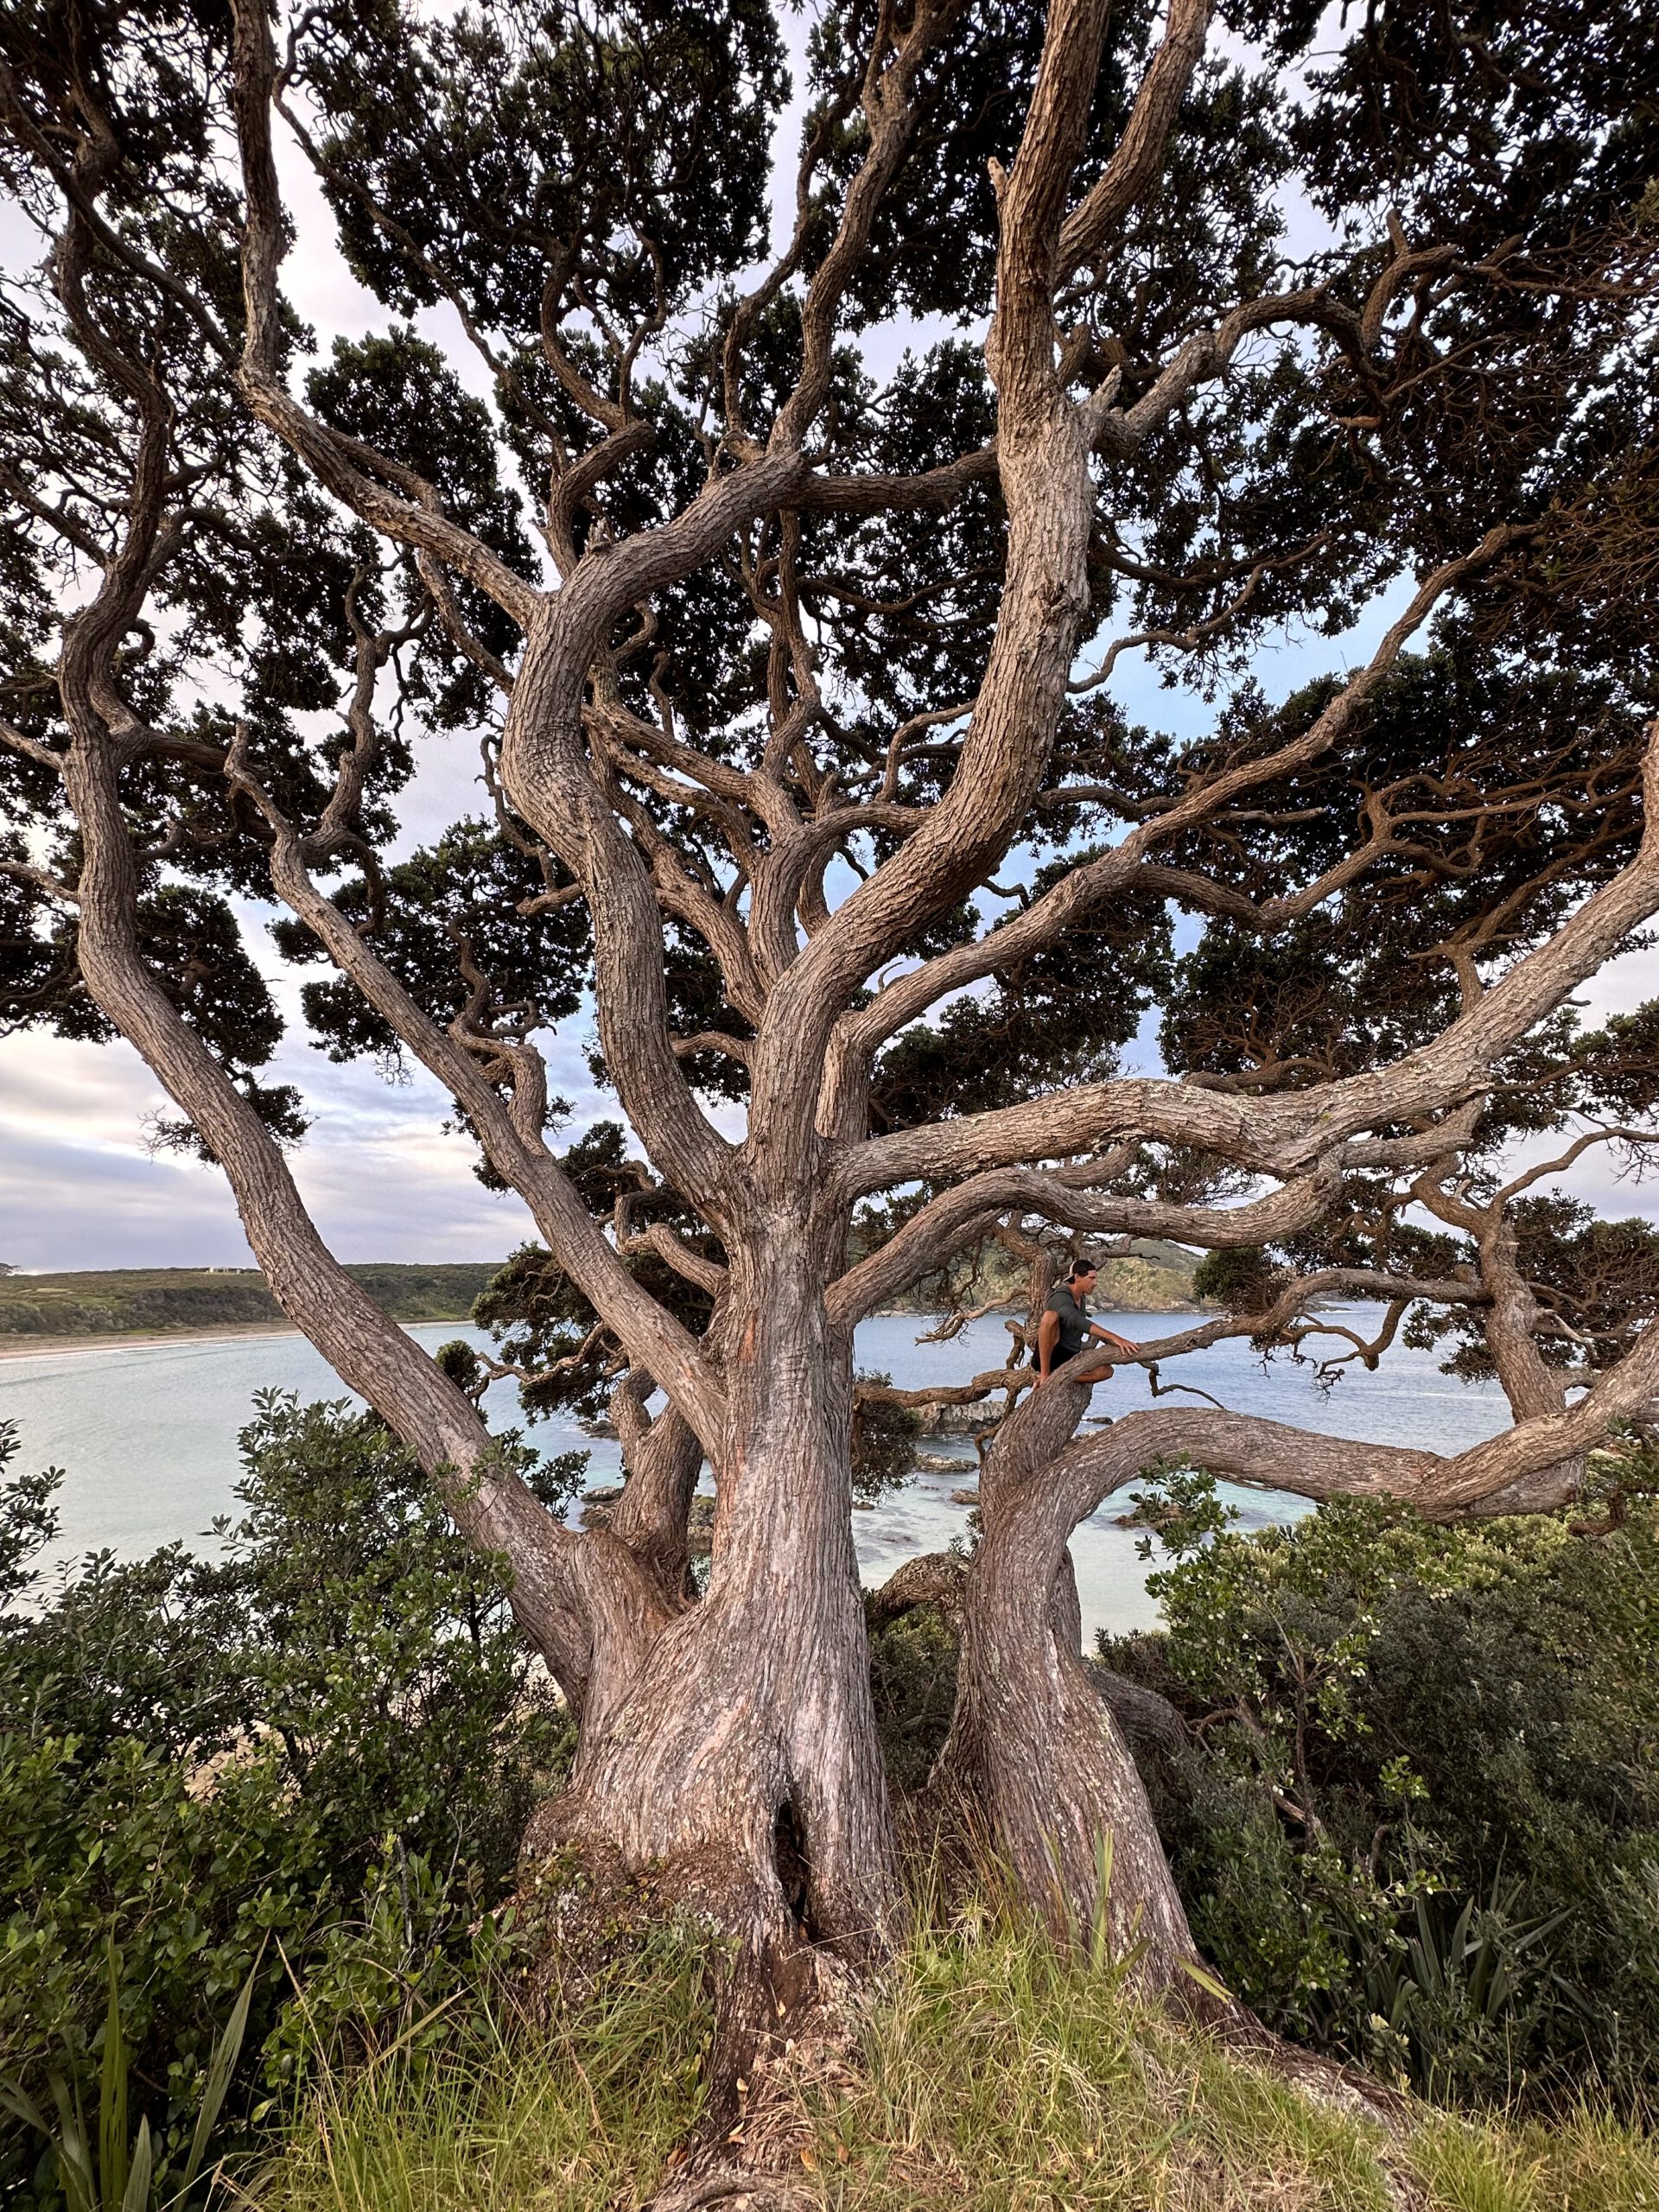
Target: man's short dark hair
x=1082, y=1267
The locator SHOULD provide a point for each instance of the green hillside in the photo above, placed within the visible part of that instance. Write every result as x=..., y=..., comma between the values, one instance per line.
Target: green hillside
x=1138, y=1274
x=1141, y=1275
x=160, y=1300
x=1146, y=1274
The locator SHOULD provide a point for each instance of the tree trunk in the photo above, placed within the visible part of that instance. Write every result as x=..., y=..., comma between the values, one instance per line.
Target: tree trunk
x=739, y=1766
x=663, y=1459
x=1033, y=1743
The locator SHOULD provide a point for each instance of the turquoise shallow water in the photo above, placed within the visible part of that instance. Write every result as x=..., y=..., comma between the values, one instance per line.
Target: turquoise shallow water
x=146, y=1433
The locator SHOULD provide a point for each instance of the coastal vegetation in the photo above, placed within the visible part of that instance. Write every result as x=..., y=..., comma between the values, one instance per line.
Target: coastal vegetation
x=1416, y=1818
x=296, y=1776
x=160, y=1301
x=776, y=554
x=306, y=1763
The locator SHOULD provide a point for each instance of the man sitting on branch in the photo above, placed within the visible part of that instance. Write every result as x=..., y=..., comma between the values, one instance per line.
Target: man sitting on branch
x=1066, y=1327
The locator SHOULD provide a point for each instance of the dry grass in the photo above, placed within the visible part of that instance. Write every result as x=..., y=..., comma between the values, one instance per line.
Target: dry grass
x=990, y=2074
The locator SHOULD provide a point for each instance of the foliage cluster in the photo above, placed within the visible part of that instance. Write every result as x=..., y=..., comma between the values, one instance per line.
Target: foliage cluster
x=1418, y=1824
x=913, y=1673
x=307, y=1760
x=586, y=188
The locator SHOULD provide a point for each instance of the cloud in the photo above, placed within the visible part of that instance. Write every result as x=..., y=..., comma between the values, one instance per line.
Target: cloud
x=79, y=1188
x=64, y=1204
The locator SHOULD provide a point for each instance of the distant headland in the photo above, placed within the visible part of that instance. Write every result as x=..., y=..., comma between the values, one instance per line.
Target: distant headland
x=195, y=1301
x=38, y=1312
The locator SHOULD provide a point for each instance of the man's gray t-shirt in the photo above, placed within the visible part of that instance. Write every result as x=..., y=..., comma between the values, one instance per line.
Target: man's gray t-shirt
x=1074, y=1324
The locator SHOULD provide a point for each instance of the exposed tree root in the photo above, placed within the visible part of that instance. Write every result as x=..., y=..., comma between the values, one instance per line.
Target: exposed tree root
x=760, y=2160
x=1323, y=2081
x=735, y=2190
x=783, y=2007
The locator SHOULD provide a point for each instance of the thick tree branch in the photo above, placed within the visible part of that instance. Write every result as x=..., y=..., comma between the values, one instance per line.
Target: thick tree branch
x=570, y=1599
x=1282, y=1135
x=335, y=462
x=889, y=105
x=1139, y=156
x=930, y=1237
x=1043, y=464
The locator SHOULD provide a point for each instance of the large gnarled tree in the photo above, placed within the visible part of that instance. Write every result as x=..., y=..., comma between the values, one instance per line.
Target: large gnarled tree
x=790, y=689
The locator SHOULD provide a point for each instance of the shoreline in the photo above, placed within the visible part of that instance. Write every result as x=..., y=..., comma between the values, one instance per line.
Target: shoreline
x=19, y=1346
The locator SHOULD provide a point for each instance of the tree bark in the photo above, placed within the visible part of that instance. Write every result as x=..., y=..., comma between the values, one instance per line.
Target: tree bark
x=653, y=1513
x=1034, y=1743
x=740, y=1767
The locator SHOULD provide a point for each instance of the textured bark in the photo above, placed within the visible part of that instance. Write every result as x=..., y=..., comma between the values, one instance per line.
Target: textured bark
x=1287, y=1133
x=653, y=1511
x=1151, y=1725
x=740, y=1763
x=937, y=1579
x=750, y=1723
x=1039, y=1743
x=1033, y=1742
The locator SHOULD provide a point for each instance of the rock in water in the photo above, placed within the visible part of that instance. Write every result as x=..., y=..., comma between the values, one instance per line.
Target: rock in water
x=959, y=1421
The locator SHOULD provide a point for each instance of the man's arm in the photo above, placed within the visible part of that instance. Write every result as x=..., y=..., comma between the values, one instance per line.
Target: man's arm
x=1048, y=1335
x=1111, y=1336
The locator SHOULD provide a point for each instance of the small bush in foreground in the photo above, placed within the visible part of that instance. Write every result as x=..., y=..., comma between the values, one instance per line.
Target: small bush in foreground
x=309, y=1761
x=913, y=1679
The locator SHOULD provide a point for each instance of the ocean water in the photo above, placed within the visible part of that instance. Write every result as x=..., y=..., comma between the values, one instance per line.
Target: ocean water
x=146, y=1433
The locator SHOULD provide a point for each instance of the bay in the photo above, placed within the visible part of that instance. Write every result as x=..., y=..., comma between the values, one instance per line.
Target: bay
x=146, y=1433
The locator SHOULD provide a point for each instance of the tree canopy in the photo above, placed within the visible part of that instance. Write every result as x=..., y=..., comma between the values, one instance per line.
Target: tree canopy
x=805, y=786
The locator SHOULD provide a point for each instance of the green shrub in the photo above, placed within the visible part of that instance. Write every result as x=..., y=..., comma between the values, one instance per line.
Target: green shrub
x=884, y=1441
x=913, y=1677
x=95, y=2161
x=1419, y=1825
x=309, y=1760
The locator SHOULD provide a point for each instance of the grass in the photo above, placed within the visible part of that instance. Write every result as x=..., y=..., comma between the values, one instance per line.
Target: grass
x=990, y=2074
x=585, y=2114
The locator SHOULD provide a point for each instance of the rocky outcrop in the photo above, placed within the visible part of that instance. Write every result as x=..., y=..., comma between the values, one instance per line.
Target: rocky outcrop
x=971, y=1419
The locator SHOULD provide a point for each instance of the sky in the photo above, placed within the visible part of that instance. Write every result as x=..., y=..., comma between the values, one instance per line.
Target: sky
x=80, y=1185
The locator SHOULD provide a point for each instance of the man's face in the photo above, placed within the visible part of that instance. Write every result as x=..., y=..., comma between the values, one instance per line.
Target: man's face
x=1085, y=1283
